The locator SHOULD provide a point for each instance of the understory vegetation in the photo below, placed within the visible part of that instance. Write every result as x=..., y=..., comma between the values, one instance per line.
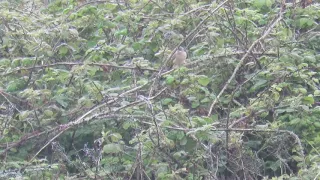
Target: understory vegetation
x=87, y=89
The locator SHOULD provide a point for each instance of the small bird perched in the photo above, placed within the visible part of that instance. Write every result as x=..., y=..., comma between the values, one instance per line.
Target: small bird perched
x=179, y=57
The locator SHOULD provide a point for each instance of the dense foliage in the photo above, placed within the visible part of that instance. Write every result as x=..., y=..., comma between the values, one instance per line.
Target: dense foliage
x=86, y=89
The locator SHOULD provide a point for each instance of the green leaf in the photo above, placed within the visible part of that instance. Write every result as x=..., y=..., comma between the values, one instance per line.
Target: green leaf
x=5, y=62
x=179, y=154
x=184, y=81
x=115, y=137
x=110, y=6
x=303, y=90
x=122, y=32
x=212, y=118
x=199, y=120
x=180, y=135
x=110, y=24
x=137, y=46
x=308, y=100
x=63, y=50
x=259, y=84
x=91, y=43
x=112, y=148
x=195, y=104
x=317, y=124
x=276, y=95
x=169, y=79
x=13, y=150
x=253, y=144
x=205, y=100
x=311, y=59
x=298, y=158
x=15, y=85
x=62, y=100
x=316, y=93
x=166, y=101
x=27, y=62
x=48, y=113
x=126, y=125
x=23, y=115
x=203, y=80
x=263, y=3
x=305, y=22
x=191, y=144
x=84, y=101
x=183, y=141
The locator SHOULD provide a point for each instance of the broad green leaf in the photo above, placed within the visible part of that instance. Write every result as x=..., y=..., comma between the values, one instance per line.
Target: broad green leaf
x=317, y=124
x=48, y=113
x=308, y=100
x=112, y=148
x=316, y=93
x=115, y=137
x=183, y=141
x=253, y=144
x=23, y=115
x=5, y=62
x=179, y=154
x=203, y=80
x=199, y=120
x=212, y=118
x=110, y=6
x=110, y=24
x=62, y=100
x=311, y=59
x=27, y=62
x=169, y=79
x=122, y=32
x=259, y=84
x=15, y=85
x=236, y=114
x=63, y=50
x=180, y=135
x=184, y=81
x=275, y=95
x=298, y=158
x=305, y=22
x=205, y=100
x=126, y=125
x=137, y=46
x=303, y=90
x=195, y=104
x=263, y=3
x=166, y=101
x=91, y=43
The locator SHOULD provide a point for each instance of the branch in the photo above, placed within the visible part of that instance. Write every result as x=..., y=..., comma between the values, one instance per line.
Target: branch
x=77, y=63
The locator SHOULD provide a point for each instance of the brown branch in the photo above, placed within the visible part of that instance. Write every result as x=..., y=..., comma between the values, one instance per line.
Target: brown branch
x=77, y=63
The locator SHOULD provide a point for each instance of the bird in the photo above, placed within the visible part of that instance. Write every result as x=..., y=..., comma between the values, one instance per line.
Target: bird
x=180, y=57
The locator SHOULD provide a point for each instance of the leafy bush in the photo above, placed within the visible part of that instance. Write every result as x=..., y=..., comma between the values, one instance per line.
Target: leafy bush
x=87, y=90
